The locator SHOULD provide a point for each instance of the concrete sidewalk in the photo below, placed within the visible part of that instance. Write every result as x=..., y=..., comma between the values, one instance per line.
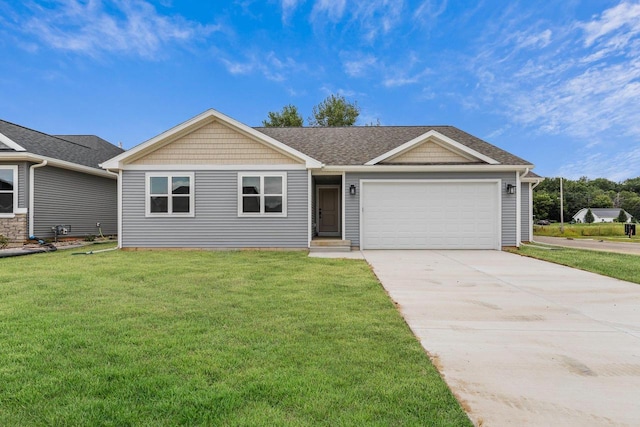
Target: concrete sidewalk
x=522, y=341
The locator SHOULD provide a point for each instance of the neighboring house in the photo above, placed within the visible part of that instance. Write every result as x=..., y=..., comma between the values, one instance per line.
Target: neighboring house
x=213, y=182
x=48, y=181
x=601, y=214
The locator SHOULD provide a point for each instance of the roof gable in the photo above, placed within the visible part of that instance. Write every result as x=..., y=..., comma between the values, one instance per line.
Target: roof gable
x=438, y=147
x=428, y=152
x=603, y=212
x=217, y=144
x=194, y=139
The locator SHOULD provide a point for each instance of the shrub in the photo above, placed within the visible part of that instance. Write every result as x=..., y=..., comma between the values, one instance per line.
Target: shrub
x=89, y=238
x=588, y=218
x=622, y=217
x=4, y=241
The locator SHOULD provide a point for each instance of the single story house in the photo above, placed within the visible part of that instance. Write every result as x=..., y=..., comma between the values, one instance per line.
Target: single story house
x=213, y=182
x=601, y=214
x=52, y=183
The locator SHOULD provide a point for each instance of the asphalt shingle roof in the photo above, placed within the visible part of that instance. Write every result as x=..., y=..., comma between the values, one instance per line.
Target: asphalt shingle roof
x=607, y=212
x=86, y=150
x=356, y=145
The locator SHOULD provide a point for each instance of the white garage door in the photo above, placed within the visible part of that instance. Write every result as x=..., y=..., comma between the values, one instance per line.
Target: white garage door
x=430, y=215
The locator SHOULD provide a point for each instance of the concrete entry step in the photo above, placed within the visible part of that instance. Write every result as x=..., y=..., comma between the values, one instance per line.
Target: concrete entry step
x=330, y=245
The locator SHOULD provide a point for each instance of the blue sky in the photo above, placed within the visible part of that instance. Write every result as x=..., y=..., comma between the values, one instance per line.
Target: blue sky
x=557, y=83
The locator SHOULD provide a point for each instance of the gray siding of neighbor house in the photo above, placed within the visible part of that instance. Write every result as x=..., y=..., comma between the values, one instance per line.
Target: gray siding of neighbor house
x=216, y=223
x=23, y=182
x=64, y=197
x=524, y=212
x=352, y=203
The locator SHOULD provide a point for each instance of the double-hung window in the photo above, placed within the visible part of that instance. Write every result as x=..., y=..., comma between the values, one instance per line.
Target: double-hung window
x=170, y=194
x=262, y=194
x=8, y=190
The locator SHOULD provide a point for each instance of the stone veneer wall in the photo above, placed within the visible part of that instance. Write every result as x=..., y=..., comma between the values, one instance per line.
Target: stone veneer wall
x=15, y=229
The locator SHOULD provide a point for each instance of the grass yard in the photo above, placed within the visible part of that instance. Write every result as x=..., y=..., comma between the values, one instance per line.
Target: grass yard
x=208, y=338
x=619, y=266
x=605, y=231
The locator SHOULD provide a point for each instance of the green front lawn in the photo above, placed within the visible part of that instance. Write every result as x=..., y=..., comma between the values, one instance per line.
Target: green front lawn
x=208, y=338
x=619, y=266
x=602, y=230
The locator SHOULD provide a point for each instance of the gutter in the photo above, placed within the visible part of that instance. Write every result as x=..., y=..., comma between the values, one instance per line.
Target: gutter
x=62, y=164
x=427, y=168
x=31, y=193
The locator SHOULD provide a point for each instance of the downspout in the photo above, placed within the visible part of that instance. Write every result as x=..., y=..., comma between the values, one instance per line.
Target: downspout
x=519, y=205
x=531, y=187
x=32, y=196
x=118, y=176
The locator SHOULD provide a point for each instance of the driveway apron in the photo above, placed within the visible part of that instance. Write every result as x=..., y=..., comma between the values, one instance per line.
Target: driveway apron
x=522, y=341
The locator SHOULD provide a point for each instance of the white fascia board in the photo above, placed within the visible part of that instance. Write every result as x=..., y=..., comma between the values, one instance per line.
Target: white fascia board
x=211, y=167
x=117, y=162
x=10, y=143
x=440, y=137
x=29, y=157
x=426, y=168
x=533, y=180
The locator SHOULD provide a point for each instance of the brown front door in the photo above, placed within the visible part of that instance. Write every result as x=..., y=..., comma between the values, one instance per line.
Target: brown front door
x=329, y=211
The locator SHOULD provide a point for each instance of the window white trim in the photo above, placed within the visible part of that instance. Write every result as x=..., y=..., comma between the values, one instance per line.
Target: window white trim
x=169, y=176
x=11, y=214
x=262, y=176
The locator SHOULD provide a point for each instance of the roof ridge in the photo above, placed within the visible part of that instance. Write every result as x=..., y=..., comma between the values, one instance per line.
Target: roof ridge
x=46, y=134
x=356, y=127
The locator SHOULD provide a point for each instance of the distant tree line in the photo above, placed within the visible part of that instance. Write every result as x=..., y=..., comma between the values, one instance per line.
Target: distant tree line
x=585, y=193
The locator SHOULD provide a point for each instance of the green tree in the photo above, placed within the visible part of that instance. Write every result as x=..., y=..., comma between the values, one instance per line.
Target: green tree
x=630, y=202
x=334, y=111
x=588, y=218
x=602, y=201
x=289, y=117
x=604, y=184
x=622, y=217
x=542, y=204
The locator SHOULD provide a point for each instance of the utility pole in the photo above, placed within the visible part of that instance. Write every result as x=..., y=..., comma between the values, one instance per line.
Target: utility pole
x=561, y=208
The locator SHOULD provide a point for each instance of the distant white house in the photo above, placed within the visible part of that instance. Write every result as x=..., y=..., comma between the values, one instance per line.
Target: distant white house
x=601, y=214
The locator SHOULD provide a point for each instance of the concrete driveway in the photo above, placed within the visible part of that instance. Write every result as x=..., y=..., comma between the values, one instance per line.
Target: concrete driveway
x=522, y=341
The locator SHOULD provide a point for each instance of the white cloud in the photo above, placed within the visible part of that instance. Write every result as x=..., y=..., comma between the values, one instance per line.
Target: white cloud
x=359, y=65
x=135, y=28
x=377, y=17
x=579, y=82
x=400, y=78
x=268, y=64
x=539, y=40
x=623, y=15
x=429, y=10
x=369, y=18
x=616, y=167
x=288, y=7
x=333, y=9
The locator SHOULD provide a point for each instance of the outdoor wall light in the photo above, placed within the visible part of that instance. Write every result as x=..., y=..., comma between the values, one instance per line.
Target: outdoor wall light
x=511, y=189
x=352, y=190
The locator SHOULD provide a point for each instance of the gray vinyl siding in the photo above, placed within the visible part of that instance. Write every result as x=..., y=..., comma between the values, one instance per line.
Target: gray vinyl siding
x=216, y=223
x=352, y=203
x=64, y=197
x=524, y=212
x=23, y=182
